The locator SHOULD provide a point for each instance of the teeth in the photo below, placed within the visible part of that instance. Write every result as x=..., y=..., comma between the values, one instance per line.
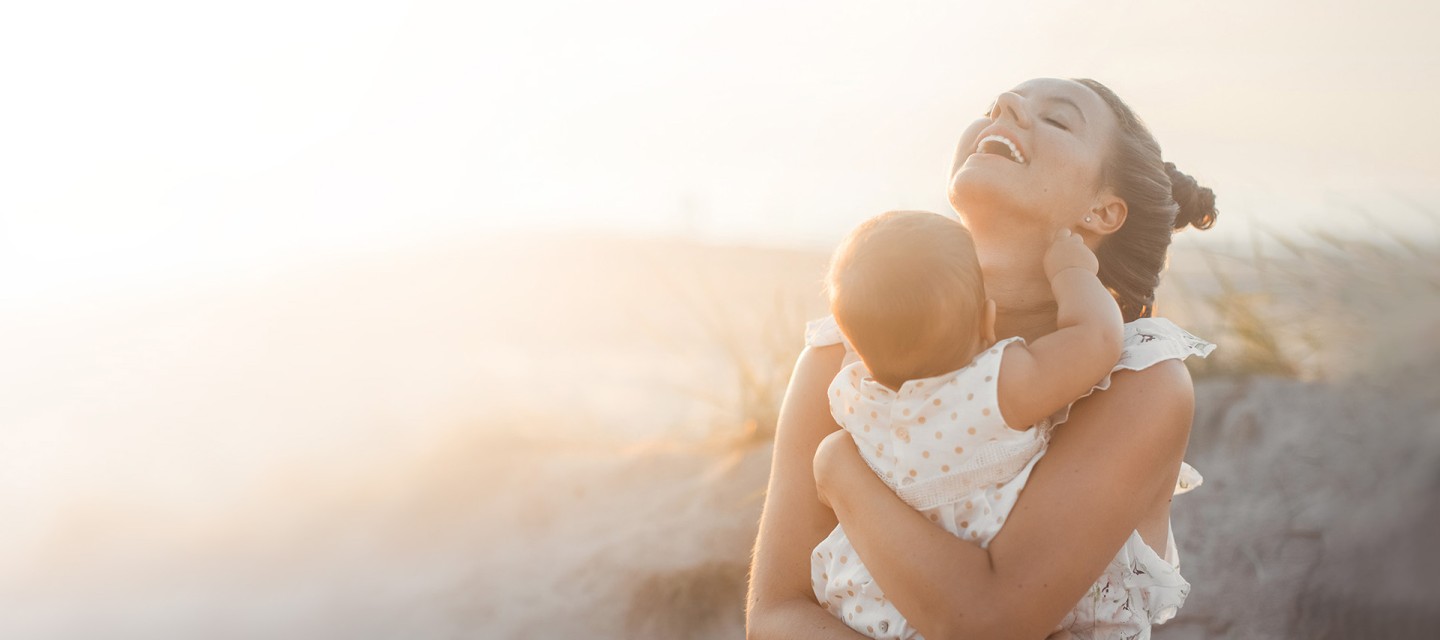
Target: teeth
x=1014, y=150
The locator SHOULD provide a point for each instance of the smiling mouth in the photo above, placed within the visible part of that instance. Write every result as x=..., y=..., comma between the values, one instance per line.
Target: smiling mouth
x=1000, y=146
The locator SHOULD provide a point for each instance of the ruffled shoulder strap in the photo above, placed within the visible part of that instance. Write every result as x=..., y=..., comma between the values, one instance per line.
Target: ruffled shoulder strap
x=1148, y=341
x=823, y=333
x=1152, y=340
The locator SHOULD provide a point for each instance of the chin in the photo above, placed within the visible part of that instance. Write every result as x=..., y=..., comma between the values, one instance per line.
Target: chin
x=979, y=195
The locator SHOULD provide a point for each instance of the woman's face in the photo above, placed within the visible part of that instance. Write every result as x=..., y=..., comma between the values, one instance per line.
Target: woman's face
x=1034, y=160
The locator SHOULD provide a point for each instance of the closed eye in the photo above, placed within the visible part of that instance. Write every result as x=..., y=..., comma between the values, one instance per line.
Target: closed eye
x=1057, y=123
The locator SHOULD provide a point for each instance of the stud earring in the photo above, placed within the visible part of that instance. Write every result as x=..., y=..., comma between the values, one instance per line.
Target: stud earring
x=1087, y=218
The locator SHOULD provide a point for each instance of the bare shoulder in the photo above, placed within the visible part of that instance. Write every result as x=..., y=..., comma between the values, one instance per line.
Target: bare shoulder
x=1144, y=418
x=1163, y=389
x=1169, y=380
x=822, y=359
x=1157, y=397
x=804, y=412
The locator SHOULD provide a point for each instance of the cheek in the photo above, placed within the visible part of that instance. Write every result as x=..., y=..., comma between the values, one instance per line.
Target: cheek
x=1075, y=179
x=1060, y=197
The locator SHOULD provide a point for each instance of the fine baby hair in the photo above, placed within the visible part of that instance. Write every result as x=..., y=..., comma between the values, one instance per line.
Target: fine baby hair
x=906, y=290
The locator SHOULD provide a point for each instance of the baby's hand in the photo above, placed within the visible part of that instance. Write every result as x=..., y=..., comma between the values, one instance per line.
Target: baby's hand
x=1069, y=252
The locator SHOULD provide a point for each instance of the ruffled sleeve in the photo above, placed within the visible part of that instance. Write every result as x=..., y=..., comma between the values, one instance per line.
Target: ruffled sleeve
x=1152, y=340
x=1148, y=341
x=823, y=333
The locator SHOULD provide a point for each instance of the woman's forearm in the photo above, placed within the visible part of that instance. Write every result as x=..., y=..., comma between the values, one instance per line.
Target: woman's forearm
x=797, y=619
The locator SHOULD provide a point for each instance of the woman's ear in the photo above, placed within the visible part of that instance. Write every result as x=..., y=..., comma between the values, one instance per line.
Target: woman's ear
x=1106, y=216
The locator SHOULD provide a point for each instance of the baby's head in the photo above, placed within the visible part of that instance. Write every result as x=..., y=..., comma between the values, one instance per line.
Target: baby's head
x=906, y=290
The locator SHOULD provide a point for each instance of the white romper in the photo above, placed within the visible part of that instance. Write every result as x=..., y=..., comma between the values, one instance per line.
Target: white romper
x=941, y=445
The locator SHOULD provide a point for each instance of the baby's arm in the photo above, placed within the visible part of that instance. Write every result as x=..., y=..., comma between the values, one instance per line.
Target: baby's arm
x=1039, y=379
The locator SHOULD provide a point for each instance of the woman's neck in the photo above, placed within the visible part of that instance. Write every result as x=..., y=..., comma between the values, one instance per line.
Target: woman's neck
x=1015, y=278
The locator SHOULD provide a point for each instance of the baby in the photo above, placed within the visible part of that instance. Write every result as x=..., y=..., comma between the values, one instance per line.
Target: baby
x=941, y=411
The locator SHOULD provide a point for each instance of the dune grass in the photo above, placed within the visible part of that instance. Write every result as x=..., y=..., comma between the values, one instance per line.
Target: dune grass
x=758, y=340
x=1309, y=305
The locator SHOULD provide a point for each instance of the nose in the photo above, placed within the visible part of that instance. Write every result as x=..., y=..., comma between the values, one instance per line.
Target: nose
x=1012, y=104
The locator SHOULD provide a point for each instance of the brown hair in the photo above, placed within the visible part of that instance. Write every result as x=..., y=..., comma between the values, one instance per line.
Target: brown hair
x=906, y=290
x=1159, y=199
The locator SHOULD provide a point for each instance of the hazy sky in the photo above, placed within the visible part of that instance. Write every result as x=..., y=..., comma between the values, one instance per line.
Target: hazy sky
x=155, y=142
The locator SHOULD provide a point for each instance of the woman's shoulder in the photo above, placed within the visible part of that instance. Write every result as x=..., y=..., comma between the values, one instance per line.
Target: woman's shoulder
x=1144, y=414
x=1152, y=391
x=1166, y=379
x=1156, y=348
x=1151, y=362
x=817, y=366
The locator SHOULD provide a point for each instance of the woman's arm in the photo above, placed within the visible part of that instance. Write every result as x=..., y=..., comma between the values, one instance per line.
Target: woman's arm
x=781, y=603
x=1104, y=469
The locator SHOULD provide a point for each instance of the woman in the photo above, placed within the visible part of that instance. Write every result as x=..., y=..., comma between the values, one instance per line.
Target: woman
x=1086, y=163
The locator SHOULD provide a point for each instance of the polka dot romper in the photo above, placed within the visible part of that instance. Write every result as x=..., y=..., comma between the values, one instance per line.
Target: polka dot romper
x=942, y=446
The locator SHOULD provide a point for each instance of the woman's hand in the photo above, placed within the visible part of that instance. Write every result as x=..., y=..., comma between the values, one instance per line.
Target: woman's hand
x=837, y=459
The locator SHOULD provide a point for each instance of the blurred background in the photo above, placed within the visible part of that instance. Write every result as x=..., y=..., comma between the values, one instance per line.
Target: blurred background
x=443, y=319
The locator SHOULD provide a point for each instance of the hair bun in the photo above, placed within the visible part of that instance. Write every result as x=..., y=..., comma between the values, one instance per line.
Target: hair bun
x=1197, y=203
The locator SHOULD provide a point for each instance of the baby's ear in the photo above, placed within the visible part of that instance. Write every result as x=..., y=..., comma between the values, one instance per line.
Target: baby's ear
x=987, y=321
